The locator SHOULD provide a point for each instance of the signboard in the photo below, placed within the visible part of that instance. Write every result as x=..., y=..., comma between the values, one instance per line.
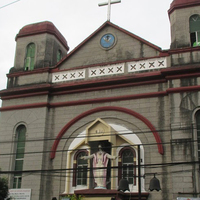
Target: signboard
x=20, y=194
x=187, y=198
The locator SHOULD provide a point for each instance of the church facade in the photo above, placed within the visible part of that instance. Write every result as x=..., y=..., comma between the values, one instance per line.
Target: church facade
x=115, y=89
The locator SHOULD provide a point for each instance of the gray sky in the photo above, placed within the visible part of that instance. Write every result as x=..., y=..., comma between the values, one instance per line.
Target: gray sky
x=77, y=19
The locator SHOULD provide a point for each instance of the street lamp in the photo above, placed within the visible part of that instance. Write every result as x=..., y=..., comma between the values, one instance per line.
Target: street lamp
x=154, y=184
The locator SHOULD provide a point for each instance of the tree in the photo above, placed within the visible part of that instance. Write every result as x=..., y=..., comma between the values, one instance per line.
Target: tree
x=3, y=188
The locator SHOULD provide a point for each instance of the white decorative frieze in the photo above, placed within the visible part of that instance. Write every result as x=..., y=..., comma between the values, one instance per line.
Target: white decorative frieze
x=68, y=75
x=147, y=64
x=110, y=70
x=106, y=70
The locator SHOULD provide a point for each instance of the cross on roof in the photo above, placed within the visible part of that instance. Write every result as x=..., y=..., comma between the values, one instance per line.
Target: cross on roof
x=109, y=6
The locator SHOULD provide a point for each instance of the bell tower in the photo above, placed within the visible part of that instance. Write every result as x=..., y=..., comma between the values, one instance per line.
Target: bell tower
x=38, y=45
x=184, y=18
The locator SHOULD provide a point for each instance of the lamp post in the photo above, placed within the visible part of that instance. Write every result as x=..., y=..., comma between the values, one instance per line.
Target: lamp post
x=139, y=173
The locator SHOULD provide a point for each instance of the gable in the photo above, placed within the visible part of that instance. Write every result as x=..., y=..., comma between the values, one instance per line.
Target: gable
x=100, y=129
x=127, y=47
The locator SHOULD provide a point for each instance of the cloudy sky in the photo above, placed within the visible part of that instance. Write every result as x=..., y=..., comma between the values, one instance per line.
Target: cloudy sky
x=77, y=19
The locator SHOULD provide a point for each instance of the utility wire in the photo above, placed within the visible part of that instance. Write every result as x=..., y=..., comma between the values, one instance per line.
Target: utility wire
x=157, y=165
x=9, y=4
x=112, y=147
x=121, y=132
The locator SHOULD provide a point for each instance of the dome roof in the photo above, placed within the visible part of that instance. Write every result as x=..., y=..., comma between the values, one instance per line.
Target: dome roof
x=177, y=4
x=42, y=27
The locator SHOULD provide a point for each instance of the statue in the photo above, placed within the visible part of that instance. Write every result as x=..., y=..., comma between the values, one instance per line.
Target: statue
x=100, y=161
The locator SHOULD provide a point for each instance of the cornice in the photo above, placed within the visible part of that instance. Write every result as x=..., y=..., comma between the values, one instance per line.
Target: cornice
x=133, y=80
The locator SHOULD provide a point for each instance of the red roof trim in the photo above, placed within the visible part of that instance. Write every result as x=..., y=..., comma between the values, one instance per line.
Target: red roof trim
x=42, y=27
x=178, y=4
x=107, y=23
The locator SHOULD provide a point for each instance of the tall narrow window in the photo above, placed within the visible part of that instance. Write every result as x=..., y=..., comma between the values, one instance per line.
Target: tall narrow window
x=127, y=165
x=195, y=30
x=198, y=132
x=30, y=57
x=59, y=55
x=80, y=169
x=19, y=159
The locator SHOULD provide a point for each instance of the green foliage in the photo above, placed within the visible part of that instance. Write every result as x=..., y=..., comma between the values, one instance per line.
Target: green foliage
x=3, y=188
x=73, y=197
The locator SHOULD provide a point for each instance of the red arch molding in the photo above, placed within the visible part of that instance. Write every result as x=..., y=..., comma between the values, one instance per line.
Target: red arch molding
x=107, y=108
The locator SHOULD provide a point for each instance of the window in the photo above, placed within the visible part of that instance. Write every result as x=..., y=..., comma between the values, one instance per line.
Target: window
x=30, y=57
x=19, y=159
x=59, y=55
x=198, y=132
x=80, y=169
x=127, y=165
x=195, y=30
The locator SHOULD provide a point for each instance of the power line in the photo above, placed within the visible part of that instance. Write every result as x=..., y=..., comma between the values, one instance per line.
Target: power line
x=9, y=4
x=70, y=150
x=146, y=166
x=121, y=132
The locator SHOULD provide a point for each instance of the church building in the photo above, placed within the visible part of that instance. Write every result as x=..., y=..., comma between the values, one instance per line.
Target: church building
x=117, y=118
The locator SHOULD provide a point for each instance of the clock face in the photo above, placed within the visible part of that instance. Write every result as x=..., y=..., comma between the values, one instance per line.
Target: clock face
x=107, y=41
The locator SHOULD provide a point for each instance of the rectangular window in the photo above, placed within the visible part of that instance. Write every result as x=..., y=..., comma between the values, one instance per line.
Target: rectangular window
x=17, y=181
x=82, y=175
x=128, y=172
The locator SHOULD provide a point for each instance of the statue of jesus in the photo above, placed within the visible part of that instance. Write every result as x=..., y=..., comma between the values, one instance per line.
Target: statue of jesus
x=100, y=161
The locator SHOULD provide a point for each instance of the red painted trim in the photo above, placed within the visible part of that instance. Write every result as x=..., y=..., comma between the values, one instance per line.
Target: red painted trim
x=42, y=27
x=24, y=95
x=24, y=73
x=107, y=23
x=84, y=102
x=108, y=83
x=106, y=87
x=66, y=89
x=25, y=90
x=180, y=76
x=86, y=86
x=161, y=55
x=27, y=106
x=108, y=99
x=108, y=108
x=102, y=193
x=183, y=89
x=183, y=50
x=74, y=183
x=120, y=170
x=182, y=4
x=139, y=78
x=102, y=100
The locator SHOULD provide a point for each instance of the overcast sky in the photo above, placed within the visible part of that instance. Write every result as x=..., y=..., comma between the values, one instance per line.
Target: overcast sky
x=77, y=19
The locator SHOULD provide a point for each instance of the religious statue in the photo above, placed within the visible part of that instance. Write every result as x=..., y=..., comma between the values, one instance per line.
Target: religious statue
x=100, y=161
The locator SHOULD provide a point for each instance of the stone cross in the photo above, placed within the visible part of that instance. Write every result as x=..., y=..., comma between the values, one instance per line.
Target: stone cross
x=109, y=6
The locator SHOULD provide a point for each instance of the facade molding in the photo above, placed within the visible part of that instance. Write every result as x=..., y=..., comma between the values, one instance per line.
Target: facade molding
x=101, y=109
x=103, y=100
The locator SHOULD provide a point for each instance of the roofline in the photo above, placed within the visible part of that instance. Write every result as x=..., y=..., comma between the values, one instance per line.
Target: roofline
x=48, y=30
x=180, y=6
x=101, y=27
